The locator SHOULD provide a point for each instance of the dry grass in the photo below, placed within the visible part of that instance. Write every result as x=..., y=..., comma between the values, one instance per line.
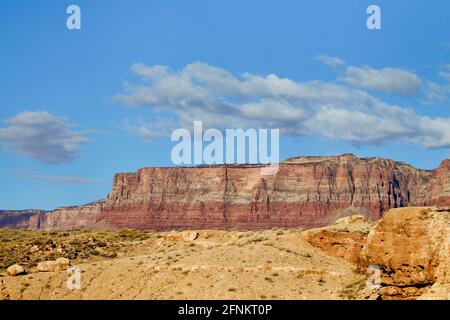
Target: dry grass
x=270, y=264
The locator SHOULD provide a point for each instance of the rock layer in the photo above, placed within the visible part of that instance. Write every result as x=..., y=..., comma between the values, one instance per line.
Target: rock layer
x=344, y=244
x=411, y=248
x=304, y=192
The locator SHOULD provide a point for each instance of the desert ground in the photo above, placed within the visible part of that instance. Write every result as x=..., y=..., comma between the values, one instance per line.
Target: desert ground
x=211, y=264
x=409, y=246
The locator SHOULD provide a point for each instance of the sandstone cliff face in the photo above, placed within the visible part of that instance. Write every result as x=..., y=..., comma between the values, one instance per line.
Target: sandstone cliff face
x=411, y=248
x=305, y=192
x=66, y=218
x=439, y=185
x=18, y=219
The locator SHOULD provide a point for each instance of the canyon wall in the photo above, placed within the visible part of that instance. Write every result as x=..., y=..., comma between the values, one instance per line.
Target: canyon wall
x=304, y=192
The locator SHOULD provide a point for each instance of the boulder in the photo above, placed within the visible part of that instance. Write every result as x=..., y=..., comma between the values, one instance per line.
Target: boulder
x=186, y=236
x=34, y=249
x=15, y=270
x=59, y=264
x=189, y=235
x=351, y=219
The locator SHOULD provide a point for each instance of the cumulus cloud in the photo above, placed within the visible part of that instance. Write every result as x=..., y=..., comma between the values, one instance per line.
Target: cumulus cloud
x=59, y=179
x=386, y=80
x=331, y=110
x=388, y=124
x=42, y=136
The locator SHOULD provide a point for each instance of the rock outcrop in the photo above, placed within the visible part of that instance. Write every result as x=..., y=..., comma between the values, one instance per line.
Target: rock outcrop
x=186, y=236
x=350, y=220
x=304, y=192
x=345, y=238
x=411, y=249
x=343, y=244
x=59, y=264
x=15, y=270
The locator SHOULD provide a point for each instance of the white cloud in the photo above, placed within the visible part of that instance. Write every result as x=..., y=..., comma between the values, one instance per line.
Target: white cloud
x=59, y=179
x=386, y=80
x=330, y=61
x=42, y=136
x=388, y=123
x=438, y=92
x=333, y=111
x=148, y=131
x=435, y=92
x=445, y=73
x=392, y=80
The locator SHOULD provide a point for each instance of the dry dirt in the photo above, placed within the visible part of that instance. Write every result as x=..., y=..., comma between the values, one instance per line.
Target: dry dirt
x=270, y=264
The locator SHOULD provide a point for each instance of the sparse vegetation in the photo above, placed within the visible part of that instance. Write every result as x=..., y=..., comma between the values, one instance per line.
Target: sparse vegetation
x=30, y=247
x=236, y=264
x=352, y=289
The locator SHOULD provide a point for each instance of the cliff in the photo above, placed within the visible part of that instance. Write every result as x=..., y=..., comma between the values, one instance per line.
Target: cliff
x=304, y=192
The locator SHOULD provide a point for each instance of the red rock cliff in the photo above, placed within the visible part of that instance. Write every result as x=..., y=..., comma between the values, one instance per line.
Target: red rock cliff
x=305, y=192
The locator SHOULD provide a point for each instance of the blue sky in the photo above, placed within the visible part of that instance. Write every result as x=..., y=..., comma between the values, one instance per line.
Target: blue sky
x=96, y=98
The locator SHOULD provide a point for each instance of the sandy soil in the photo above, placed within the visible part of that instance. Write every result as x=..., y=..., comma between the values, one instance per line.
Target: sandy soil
x=270, y=264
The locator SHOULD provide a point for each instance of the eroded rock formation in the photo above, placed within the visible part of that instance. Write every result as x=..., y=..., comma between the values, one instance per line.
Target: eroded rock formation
x=411, y=248
x=304, y=192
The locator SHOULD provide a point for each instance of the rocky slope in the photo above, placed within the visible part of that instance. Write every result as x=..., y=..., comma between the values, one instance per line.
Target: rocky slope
x=411, y=248
x=304, y=192
x=345, y=238
x=405, y=255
